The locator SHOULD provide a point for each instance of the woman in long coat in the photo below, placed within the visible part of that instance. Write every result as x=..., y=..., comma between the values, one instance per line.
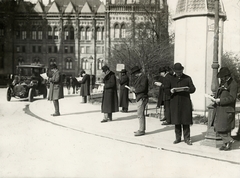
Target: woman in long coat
x=224, y=117
x=180, y=103
x=110, y=97
x=56, y=88
x=124, y=99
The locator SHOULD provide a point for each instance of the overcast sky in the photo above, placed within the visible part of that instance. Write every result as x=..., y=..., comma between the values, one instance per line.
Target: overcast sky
x=231, y=25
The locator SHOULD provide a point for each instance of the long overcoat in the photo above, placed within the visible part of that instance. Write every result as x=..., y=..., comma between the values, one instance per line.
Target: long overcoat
x=224, y=120
x=56, y=87
x=85, y=85
x=180, y=102
x=110, y=97
x=124, y=100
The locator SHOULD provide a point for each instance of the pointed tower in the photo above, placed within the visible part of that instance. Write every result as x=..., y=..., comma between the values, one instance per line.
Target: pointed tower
x=194, y=36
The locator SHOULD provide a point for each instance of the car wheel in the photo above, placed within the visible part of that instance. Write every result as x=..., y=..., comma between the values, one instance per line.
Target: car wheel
x=9, y=94
x=45, y=92
x=30, y=95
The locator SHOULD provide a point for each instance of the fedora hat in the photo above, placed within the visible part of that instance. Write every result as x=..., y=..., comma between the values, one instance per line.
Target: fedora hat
x=224, y=71
x=135, y=69
x=123, y=71
x=53, y=66
x=178, y=67
x=105, y=68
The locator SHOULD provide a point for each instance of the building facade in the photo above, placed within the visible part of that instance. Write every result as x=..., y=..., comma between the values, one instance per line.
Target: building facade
x=74, y=34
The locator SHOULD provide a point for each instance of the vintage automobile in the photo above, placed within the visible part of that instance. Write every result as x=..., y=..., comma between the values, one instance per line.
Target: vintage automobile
x=28, y=83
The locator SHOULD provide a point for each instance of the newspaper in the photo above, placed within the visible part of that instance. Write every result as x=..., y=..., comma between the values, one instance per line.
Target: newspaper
x=179, y=89
x=209, y=96
x=133, y=94
x=79, y=79
x=158, y=84
x=44, y=76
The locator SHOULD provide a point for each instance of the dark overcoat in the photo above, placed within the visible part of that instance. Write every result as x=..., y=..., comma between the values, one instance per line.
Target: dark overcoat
x=124, y=100
x=110, y=97
x=56, y=86
x=224, y=120
x=180, y=102
x=141, y=87
x=85, y=85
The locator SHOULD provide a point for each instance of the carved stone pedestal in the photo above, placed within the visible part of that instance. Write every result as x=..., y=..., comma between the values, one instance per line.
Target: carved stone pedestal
x=211, y=138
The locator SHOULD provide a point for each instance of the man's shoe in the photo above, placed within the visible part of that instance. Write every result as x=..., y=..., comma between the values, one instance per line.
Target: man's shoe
x=139, y=133
x=222, y=147
x=104, y=120
x=189, y=142
x=176, y=141
x=228, y=146
x=56, y=114
x=165, y=123
x=163, y=119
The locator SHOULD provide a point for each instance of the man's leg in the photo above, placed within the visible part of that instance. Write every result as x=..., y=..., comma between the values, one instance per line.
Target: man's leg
x=186, y=134
x=56, y=106
x=167, y=113
x=178, y=133
x=110, y=116
x=105, y=119
x=227, y=140
x=141, y=104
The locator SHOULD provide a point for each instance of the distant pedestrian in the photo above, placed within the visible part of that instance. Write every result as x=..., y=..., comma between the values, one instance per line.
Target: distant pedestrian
x=56, y=88
x=68, y=84
x=110, y=97
x=140, y=88
x=85, y=86
x=224, y=111
x=180, y=87
x=164, y=97
x=124, y=98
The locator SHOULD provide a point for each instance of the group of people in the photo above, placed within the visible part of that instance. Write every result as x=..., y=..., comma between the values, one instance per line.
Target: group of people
x=175, y=89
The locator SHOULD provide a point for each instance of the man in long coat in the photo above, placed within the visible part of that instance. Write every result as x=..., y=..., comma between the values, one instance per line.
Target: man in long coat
x=56, y=88
x=85, y=86
x=180, y=87
x=124, y=99
x=110, y=97
x=224, y=111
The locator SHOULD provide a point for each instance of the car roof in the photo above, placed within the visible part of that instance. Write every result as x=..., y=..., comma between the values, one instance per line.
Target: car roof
x=31, y=66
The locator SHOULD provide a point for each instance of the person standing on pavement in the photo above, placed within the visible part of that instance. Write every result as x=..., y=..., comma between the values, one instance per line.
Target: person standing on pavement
x=180, y=86
x=124, y=99
x=140, y=88
x=224, y=107
x=165, y=97
x=85, y=86
x=110, y=97
x=56, y=88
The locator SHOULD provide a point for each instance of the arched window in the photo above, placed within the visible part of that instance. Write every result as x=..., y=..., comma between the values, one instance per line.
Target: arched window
x=71, y=31
x=82, y=33
x=89, y=33
x=69, y=64
x=24, y=34
x=39, y=33
x=36, y=61
x=116, y=31
x=123, y=31
x=34, y=33
x=50, y=35
x=84, y=64
x=100, y=64
x=99, y=34
x=56, y=33
x=52, y=61
x=66, y=33
x=20, y=61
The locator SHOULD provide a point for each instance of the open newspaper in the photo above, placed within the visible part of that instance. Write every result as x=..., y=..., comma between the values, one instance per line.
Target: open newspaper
x=79, y=79
x=44, y=76
x=134, y=95
x=158, y=84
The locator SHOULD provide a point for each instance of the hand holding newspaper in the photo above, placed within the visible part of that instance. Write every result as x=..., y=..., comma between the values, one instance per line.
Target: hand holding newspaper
x=44, y=76
x=133, y=94
x=209, y=96
x=179, y=89
x=79, y=79
x=158, y=84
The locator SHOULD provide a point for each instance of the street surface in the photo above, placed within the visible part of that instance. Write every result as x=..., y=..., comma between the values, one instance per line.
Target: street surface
x=33, y=147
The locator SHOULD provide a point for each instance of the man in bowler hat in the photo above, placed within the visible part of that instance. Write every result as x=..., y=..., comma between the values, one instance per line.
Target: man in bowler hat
x=124, y=99
x=56, y=88
x=140, y=88
x=224, y=108
x=85, y=86
x=110, y=97
x=180, y=87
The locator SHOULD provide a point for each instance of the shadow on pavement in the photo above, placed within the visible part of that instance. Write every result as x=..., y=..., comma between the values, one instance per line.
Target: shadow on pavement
x=125, y=118
x=236, y=145
x=199, y=137
x=167, y=128
x=78, y=113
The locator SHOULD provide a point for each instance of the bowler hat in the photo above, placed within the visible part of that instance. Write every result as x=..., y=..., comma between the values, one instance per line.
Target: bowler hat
x=135, y=69
x=162, y=69
x=105, y=68
x=224, y=71
x=178, y=67
x=123, y=71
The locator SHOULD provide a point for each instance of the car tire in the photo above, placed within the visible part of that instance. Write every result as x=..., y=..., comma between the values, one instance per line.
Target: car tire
x=9, y=94
x=30, y=95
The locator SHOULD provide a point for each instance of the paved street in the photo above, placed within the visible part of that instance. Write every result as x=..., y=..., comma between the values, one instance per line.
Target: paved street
x=76, y=144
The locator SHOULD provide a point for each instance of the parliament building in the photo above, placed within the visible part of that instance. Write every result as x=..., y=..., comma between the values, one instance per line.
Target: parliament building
x=74, y=34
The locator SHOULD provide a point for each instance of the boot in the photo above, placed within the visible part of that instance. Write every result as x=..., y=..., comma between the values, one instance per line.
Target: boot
x=56, y=106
